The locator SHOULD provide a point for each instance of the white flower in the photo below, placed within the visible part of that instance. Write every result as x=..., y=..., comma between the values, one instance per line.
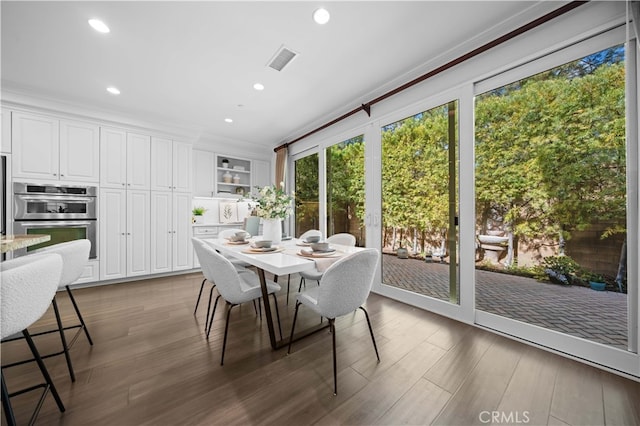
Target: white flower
x=274, y=203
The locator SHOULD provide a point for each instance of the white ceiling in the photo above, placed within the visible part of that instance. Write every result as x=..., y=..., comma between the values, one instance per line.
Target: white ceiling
x=192, y=64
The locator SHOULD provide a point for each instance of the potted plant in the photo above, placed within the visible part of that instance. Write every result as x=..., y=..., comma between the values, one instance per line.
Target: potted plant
x=225, y=163
x=198, y=212
x=428, y=256
x=596, y=281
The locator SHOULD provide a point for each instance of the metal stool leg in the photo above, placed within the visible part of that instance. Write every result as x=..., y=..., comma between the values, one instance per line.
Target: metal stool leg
x=65, y=347
x=75, y=306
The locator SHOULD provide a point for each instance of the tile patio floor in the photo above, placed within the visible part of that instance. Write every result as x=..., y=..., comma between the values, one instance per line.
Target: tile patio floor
x=599, y=316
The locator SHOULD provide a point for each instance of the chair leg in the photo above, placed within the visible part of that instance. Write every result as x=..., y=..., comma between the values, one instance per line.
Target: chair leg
x=293, y=326
x=302, y=281
x=75, y=306
x=63, y=339
x=226, y=330
x=215, y=305
x=43, y=370
x=373, y=339
x=199, y=294
x=275, y=301
x=6, y=404
x=332, y=327
x=206, y=320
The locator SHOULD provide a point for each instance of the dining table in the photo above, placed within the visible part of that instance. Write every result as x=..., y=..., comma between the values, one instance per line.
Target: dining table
x=288, y=257
x=15, y=242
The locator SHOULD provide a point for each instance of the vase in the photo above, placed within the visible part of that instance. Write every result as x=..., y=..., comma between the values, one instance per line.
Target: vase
x=272, y=230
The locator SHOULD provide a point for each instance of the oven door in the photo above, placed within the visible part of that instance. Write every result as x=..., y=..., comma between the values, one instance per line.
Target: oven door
x=38, y=207
x=60, y=231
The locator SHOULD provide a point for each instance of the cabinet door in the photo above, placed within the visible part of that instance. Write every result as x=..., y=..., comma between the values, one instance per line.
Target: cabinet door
x=182, y=248
x=161, y=164
x=79, y=151
x=260, y=174
x=5, y=134
x=161, y=231
x=138, y=161
x=35, y=143
x=113, y=158
x=113, y=238
x=182, y=167
x=203, y=173
x=138, y=233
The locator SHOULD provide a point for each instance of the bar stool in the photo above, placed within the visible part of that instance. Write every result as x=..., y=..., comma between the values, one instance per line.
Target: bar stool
x=75, y=255
x=28, y=285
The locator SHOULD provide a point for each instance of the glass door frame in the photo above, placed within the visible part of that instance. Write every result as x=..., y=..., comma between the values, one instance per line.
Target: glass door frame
x=464, y=310
x=597, y=353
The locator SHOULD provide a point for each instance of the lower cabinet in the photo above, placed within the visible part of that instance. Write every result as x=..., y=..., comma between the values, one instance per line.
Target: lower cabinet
x=125, y=233
x=170, y=231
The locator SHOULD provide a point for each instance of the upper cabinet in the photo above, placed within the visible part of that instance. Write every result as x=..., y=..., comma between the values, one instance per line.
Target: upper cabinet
x=51, y=149
x=125, y=159
x=5, y=143
x=170, y=165
x=203, y=174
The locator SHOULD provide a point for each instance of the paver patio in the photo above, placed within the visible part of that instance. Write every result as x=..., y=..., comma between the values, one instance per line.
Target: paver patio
x=599, y=316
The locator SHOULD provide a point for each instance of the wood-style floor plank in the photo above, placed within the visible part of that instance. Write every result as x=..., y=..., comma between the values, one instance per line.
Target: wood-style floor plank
x=152, y=364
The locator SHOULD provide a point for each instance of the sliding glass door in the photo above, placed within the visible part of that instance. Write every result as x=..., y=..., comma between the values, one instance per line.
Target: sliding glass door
x=307, y=193
x=419, y=238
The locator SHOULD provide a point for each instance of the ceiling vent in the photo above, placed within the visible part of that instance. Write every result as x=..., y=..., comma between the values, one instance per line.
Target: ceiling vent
x=281, y=59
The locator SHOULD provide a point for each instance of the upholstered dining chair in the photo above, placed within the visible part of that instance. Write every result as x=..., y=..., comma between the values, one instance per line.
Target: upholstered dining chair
x=239, y=265
x=27, y=287
x=342, y=239
x=75, y=255
x=303, y=236
x=210, y=277
x=234, y=287
x=343, y=288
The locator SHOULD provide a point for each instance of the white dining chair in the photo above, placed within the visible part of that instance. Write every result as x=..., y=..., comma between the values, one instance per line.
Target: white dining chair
x=210, y=277
x=309, y=233
x=75, y=255
x=238, y=264
x=342, y=239
x=234, y=287
x=28, y=285
x=343, y=288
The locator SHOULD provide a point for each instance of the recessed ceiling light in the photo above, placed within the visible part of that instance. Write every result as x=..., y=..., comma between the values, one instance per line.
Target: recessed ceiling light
x=321, y=16
x=113, y=90
x=99, y=26
x=258, y=86
x=228, y=120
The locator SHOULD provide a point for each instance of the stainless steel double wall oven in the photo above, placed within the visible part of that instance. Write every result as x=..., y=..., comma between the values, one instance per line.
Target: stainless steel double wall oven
x=66, y=212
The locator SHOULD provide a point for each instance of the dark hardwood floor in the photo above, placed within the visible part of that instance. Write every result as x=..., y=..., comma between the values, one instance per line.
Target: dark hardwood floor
x=152, y=365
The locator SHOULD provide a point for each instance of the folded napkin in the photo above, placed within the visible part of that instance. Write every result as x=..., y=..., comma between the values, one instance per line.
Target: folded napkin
x=322, y=263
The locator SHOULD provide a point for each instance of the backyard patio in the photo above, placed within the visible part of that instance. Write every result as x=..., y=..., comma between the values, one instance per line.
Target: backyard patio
x=599, y=316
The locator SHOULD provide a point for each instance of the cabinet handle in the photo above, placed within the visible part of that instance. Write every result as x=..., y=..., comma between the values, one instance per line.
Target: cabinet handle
x=61, y=175
x=122, y=233
x=123, y=184
x=55, y=174
x=128, y=233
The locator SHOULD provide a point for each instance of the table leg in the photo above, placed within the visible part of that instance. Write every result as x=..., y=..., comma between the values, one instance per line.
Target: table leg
x=277, y=344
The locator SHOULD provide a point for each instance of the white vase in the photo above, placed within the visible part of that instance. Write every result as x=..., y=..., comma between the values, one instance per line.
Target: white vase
x=272, y=230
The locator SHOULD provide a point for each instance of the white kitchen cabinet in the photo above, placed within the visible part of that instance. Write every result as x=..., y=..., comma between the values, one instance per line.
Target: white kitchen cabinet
x=5, y=142
x=203, y=173
x=35, y=141
x=79, y=151
x=138, y=161
x=170, y=165
x=182, y=248
x=113, y=158
x=171, y=248
x=124, y=233
x=125, y=159
x=113, y=233
x=51, y=149
x=261, y=175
